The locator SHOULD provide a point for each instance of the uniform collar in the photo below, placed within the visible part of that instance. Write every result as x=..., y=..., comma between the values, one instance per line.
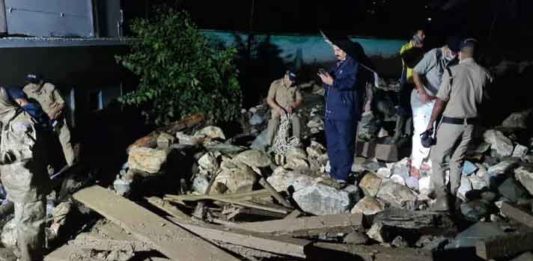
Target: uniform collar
x=467, y=60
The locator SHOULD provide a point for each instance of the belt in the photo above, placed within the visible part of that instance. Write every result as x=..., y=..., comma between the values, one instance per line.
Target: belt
x=460, y=121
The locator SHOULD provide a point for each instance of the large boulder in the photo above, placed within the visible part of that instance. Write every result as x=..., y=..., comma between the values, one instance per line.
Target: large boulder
x=320, y=199
x=396, y=194
x=253, y=158
x=146, y=160
x=368, y=206
x=296, y=159
x=517, y=120
x=525, y=177
x=499, y=143
x=370, y=184
x=234, y=178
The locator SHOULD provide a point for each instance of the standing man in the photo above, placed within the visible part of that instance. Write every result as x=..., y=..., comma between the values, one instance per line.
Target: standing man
x=53, y=104
x=23, y=174
x=343, y=108
x=427, y=76
x=284, y=98
x=457, y=100
x=406, y=82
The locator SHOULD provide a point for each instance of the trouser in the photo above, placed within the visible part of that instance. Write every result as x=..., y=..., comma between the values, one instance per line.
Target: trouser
x=421, y=116
x=274, y=122
x=30, y=224
x=340, y=138
x=64, y=138
x=452, y=139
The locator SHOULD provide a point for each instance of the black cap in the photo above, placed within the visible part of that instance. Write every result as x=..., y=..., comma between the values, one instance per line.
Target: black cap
x=15, y=92
x=33, y=78
x=292, y=75
x=454, y=43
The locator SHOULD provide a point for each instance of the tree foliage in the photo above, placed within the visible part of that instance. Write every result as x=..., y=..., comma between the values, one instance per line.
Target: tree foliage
x=180, y=70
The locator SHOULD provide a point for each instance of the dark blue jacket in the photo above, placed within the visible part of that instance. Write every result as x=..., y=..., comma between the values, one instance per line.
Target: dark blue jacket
x=343, y=97
x=37, y=113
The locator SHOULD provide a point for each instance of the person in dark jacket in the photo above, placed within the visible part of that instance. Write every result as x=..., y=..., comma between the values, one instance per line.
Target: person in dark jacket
x=33, y=109
x=343, y=108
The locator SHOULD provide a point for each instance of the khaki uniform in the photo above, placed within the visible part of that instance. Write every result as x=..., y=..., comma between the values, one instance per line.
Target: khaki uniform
x=48, y=96
x=462, y=94
x=23, y=174
x=284, y=96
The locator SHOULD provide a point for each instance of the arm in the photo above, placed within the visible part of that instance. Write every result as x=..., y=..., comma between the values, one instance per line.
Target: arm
x=344, y=82
x=58, y=106
x=272, y=102
x=299, y=100
x=421, y=69
x=439, y=107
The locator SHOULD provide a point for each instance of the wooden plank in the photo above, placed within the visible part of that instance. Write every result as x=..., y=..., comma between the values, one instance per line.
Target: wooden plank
x=169, y=239
x=517, y=214
x=279, y=245
x=263, y=182
x=294, y=214
x=333, y=251
x=504, y=246
x=70, y=252
x=241, y=196
x=167, y=207
x=305, y=225
x=88, y=241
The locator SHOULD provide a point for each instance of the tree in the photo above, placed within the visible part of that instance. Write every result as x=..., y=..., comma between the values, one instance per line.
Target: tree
x=180, y=70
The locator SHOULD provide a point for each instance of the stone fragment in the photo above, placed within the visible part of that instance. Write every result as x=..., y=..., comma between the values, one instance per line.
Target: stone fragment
x=200, y=184
x=475, y=210
x=283, y=179
x=475, y=233
x=185, y=139
x=315, y=150
x=396, y=194
x=356, y=238
x=9, y=234
x=398, y=179
x=354, y=192
x=384, y=173
x=370, y=184
x=164, y=140
x=296, y=159
x=525, y=177
x=502, y=167
x=469, y=168
x=478, y=183
x=399, y=242
x=146, y=159
x=320, y=199
x=520, y=151
x=378, y=233
x=211, y=132
x=368, y=206
x=256, y=119
x=401, y=168
x=517, y=120
x=424, y=185
x=357, y=165
x=254, y=158
x=208, y=162
x=511, y=190
x=260, y=142
x=240, y=178
x=501, y=144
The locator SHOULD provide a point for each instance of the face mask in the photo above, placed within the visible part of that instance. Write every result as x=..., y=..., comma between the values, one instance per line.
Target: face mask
x=449, y=56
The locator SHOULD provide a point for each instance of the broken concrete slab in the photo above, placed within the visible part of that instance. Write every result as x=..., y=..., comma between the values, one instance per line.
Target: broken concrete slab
x=356, y=238
x=368, y=253
x=525, y=176
x=511, y=190
x=368, y=206
x=370, y=184
x=167, y=238
x=475, y=233
x=509, y=245
x=319, y=199
x=499, y=142
x=396, y=194
x=146, y=159
x=520, y=151
x=517, y=214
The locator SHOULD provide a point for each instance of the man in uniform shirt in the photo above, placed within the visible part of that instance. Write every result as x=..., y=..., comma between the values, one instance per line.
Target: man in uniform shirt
x=427, y=76
x=53, y=104
x=459, y=95
x=284, y=98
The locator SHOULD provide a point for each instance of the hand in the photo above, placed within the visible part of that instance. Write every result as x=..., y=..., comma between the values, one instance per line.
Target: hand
x=326, y=78
x=424, y=97
x=280, y=111
x=289, y=109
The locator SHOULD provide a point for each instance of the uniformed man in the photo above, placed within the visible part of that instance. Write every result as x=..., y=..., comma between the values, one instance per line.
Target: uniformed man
x=53, y=104
x=343, y=108
x=284, y=98
x=459, y=95
x=23, y=174
x=427, y=76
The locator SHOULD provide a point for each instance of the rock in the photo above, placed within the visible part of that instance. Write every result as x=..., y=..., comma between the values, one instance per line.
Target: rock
x=200, y=184
x=377, y=232
x=412, y=183
x=357, y=165
x=283, y=179
x=185, y=139
x=520, y=151
x=240, y=178
x=164, y=140
x=261, y=141
x=481, y=171
x=401, y=168
x=211, y=132
x=317, y=123
x=482, y=148
x=356, y=238
x=146, y=159
x=315, y=150
x=501, y=144
x=368, y=206
x=469, y=168
x=354, y=192
x=478, y=183
x=296, y=159
x=528, y=256
x=475, y=233
x=475, y=210
x=424, y=185
x=525, y=177
x=517, y=120
x=384, y=173
x=399, y=242
x=431, y=243
x=208, y=163
x=122, y=186
x=253, y=158
x=397, y=179
x=489, y=196
x=370, y=184
x=396, y=194
x=256, y=119
x=320, y=199
x=502, y=167
x=371, y=165
x=464, y=187
x=511, y=190
x=9, y=234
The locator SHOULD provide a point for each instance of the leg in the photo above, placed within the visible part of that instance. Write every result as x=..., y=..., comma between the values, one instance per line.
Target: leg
x=296, y=126
x=66, y=144
x=332, y=140
x=458, y=158
x=421, y=117
x=346, y=148
x=447, y=136
x=272, y=128
x=30, y=220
